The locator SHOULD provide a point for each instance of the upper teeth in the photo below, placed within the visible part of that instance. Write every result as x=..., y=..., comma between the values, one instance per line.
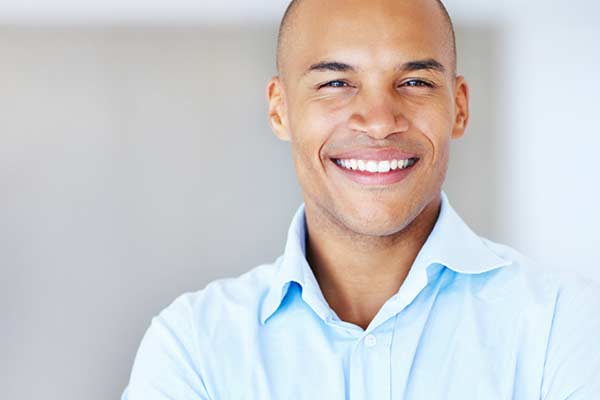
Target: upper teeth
x=375, y=166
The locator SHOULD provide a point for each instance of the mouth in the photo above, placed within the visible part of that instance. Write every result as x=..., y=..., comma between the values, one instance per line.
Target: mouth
x=376, y=172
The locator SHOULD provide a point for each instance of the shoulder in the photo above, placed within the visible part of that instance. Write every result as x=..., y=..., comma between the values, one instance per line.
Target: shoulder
x=562, y=285
x=562, y=308
x=223, y=301
x=192, y=337
x=570, y=301
x=571, y=304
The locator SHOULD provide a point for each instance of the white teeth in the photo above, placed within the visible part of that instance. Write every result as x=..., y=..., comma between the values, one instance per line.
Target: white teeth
x=374, y=166
x=384, y=166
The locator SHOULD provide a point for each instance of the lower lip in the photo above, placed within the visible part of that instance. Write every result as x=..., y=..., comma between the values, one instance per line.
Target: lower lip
x=376, y=178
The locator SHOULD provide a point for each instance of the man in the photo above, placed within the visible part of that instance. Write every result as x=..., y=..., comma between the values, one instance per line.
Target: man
x=382, y=292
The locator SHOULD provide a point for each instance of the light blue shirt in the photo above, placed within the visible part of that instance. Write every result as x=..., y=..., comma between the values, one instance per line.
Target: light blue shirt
x=473, y=320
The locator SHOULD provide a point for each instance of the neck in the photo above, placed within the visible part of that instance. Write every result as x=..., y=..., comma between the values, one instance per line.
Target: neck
x=359, y=273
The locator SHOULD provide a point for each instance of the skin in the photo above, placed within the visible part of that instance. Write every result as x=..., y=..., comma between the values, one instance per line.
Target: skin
x=362, y=240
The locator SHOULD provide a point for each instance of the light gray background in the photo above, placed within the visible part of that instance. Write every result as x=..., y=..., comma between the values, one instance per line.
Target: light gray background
x=136, y=163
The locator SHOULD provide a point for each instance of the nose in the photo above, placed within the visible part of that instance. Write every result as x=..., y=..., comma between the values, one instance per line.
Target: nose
x=378, y=115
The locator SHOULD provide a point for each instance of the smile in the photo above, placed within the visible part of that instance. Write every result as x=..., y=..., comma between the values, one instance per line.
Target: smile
x=372, y=166
x=376, y=173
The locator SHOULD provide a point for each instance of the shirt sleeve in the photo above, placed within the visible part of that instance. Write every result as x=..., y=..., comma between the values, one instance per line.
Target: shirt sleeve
x=572, y=368
x=165, y=366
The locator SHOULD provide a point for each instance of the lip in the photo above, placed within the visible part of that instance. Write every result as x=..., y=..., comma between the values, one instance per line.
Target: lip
x=376, y=178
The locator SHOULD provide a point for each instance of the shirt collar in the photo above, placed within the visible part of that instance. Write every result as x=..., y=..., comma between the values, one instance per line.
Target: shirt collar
x=293, y=267
x=451, y=244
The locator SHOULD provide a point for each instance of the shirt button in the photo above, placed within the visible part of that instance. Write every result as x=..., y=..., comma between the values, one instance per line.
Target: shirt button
x=370, y=340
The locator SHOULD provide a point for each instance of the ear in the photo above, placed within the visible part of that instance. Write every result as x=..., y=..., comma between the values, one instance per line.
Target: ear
x=277, y=108
x=461, y=101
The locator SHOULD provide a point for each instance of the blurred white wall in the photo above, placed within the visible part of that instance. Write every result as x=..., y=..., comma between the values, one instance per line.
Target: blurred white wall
x=135, y=164
x=544, y=65
x=134, y=159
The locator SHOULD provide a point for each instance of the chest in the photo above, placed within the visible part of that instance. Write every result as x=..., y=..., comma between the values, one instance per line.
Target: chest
x=475, y=351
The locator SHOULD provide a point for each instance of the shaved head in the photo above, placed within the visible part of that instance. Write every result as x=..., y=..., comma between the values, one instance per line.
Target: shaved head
x=287, y=25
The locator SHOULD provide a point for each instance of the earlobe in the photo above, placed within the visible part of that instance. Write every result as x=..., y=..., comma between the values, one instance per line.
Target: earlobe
x=461, y=101
x=277, y=116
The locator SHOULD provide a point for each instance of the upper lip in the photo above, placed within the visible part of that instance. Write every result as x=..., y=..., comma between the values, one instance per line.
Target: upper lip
x=372, y=154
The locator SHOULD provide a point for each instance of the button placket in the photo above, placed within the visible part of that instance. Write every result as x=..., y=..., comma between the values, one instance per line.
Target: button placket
x=370, y=373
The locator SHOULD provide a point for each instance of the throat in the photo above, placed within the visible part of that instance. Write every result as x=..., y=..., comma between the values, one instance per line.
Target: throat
x=357, y=287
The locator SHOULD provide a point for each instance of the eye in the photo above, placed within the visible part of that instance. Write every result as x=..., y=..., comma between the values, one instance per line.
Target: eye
x=417, y=83
x=334, y=84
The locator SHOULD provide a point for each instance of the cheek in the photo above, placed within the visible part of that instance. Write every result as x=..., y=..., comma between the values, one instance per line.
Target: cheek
x=435, y=124
x=312, y=129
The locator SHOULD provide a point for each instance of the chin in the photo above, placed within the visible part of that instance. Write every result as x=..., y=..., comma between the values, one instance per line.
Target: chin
x=377, y=222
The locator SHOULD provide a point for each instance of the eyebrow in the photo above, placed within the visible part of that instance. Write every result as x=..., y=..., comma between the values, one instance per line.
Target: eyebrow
x=330, y=66
x=429, y=64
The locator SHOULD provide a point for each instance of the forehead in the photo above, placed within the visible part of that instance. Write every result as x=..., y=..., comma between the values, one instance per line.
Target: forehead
x=367, y=32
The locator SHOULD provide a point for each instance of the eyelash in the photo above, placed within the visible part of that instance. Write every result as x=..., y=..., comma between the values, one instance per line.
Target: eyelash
x=330, y=84
x=419, y=83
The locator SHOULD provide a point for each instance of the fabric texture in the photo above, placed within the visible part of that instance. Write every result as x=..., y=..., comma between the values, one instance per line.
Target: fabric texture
x=473, y=319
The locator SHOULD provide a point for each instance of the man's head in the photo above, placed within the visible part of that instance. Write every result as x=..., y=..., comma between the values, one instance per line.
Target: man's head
x=287, y=26
x=372, y=81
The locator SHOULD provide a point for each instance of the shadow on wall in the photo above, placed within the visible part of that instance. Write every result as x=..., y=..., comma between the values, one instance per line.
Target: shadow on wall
x=137, y=164
x=472, y=182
